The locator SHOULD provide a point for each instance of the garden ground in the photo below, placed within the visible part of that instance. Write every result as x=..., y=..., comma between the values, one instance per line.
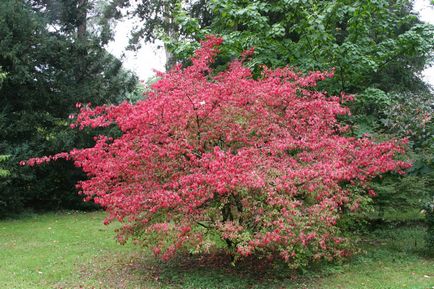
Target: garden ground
x=75, y=250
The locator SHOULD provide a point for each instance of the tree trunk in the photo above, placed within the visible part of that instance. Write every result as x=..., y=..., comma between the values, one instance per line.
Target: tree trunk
x=169, y=29
x=82, y=20
x=81, y=39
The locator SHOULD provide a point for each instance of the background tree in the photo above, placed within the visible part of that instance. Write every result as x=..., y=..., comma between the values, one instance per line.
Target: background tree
x=378, y=44
x=51, y=65
x=370, y=43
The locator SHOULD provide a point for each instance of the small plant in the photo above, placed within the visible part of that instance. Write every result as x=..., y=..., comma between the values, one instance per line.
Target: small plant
x=4, y=172
x=263, y=165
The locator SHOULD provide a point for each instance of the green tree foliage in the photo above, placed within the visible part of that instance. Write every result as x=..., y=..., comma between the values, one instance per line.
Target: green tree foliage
x=49, y=67
x=379, y=43
x=370, y=43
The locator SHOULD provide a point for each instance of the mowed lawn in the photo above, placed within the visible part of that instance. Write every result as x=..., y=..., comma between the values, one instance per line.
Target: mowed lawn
x=75, y=250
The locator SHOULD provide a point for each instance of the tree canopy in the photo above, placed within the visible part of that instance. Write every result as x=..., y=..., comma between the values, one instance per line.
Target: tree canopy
x=378, y=44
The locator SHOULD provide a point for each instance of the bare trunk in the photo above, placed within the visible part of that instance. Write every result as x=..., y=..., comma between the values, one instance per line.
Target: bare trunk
x=81, y=39
x=170, y=58
x=82, y=20
x=232, y=211
x=171, y=33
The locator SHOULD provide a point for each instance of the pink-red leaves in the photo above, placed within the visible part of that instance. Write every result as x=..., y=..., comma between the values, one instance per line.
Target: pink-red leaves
x=260, y=162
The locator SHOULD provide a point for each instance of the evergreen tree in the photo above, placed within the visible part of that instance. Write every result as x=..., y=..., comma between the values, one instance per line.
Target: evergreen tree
x=51, y=64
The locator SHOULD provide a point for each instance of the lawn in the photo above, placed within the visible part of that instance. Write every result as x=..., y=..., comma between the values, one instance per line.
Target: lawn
x=75, y=250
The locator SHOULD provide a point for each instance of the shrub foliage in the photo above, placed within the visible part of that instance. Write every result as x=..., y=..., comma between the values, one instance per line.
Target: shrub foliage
x=263, y=164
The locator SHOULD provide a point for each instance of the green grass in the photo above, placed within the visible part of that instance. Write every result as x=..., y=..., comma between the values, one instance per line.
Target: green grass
x=43, y=251
x=404, y=216
x=75, y=250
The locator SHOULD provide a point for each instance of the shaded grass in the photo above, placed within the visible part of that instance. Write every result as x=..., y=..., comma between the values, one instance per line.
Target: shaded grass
x=389, y=258
x=74, y=250
x=410, y=215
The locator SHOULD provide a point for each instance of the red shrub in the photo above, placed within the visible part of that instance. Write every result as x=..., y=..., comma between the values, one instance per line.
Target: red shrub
x=261, y=163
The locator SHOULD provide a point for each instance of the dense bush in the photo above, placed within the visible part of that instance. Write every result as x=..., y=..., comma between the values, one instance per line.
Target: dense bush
x=263, y=164
x=399, y=114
